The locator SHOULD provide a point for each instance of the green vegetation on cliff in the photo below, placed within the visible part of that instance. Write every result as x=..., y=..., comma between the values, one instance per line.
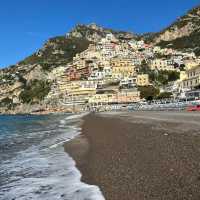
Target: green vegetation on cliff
x=148, y=92
x=164, y=95
x=187, y=24
x=162, y=77
x=187, y=42
x=58, y=50
x=7, y=102
x=35, y=91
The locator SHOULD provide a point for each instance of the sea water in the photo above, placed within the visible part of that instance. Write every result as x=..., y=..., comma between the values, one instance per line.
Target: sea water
x=33, y=164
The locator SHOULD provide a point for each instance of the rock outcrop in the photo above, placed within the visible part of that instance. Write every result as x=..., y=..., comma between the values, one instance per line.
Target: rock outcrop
x=183, y=34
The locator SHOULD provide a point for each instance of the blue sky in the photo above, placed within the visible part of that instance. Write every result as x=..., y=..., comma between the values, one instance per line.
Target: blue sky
x=26, y=24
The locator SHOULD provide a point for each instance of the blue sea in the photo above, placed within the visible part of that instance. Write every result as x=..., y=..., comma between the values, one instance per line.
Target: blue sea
x=33, y=164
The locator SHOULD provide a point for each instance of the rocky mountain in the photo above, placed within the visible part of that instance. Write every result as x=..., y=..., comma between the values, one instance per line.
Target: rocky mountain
x=60, y=50
x=95, y=33
x=32, y=76
x=183, y=34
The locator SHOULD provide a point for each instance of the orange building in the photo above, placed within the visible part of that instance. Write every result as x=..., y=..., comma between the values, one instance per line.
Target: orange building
x=75, y=74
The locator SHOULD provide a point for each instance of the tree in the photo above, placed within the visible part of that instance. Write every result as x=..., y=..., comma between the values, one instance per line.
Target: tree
x=165, y=76
x=152, y=75
x=35, y=91
x=6, y=102
x=164, y=95
x=144, y=68
x=148, y=92
x=173, y=75
x=182, y=67
x=197, y=87
x=162, y=78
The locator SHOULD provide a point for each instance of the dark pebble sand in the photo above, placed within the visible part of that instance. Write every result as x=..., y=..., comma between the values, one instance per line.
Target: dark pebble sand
x=140, y=155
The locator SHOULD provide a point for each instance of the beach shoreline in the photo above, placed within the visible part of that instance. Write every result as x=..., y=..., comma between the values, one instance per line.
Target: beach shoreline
x=140, y=155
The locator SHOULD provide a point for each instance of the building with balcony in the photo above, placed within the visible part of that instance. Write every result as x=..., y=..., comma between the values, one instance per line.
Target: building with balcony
x=192, y=79
x=121, y=62
x=128, y=82
x=119, y=72
x=160, y=64
x=120, y=97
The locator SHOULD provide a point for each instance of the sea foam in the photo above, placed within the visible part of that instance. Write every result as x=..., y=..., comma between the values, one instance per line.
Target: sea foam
x=44, y=171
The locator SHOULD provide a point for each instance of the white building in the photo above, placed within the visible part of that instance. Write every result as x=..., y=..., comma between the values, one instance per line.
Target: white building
x=99, y=75
x=128, y=82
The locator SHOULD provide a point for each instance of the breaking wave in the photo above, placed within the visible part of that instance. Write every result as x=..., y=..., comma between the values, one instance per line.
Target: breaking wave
x=36, y=166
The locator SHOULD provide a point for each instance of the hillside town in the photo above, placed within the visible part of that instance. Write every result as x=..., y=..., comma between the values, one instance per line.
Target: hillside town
x=107, y=111
x=114, y=72
x=98, y=72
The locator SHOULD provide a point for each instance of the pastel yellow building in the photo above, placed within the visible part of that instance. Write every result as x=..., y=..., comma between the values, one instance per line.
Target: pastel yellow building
x=123, y=96
x=143, y=80
x=122, y=67
x=128, y=96
x=81, y=91
x=80, y=95
x=121, y=62
x=121, y=71
x=189, y=64
x=101, y=98
x=183, y=75
x=192, y=78
x=65, y=85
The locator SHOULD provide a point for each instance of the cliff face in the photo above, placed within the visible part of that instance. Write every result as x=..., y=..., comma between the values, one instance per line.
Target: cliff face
x=184, y=26
x=95, y=33
x=182, y=34
x=14, y=80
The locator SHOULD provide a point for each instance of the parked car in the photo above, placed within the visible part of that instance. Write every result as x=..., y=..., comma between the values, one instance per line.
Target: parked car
x=194, y=108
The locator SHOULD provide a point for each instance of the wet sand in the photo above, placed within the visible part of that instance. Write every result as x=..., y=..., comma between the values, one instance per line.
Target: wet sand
x=140, y=155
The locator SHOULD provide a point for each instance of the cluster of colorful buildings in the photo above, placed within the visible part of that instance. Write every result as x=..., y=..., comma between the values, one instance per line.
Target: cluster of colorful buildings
x=187, y=86
x=109, y=72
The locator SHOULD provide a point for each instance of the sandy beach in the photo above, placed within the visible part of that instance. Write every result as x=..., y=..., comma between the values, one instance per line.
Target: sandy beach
x=140, y=155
